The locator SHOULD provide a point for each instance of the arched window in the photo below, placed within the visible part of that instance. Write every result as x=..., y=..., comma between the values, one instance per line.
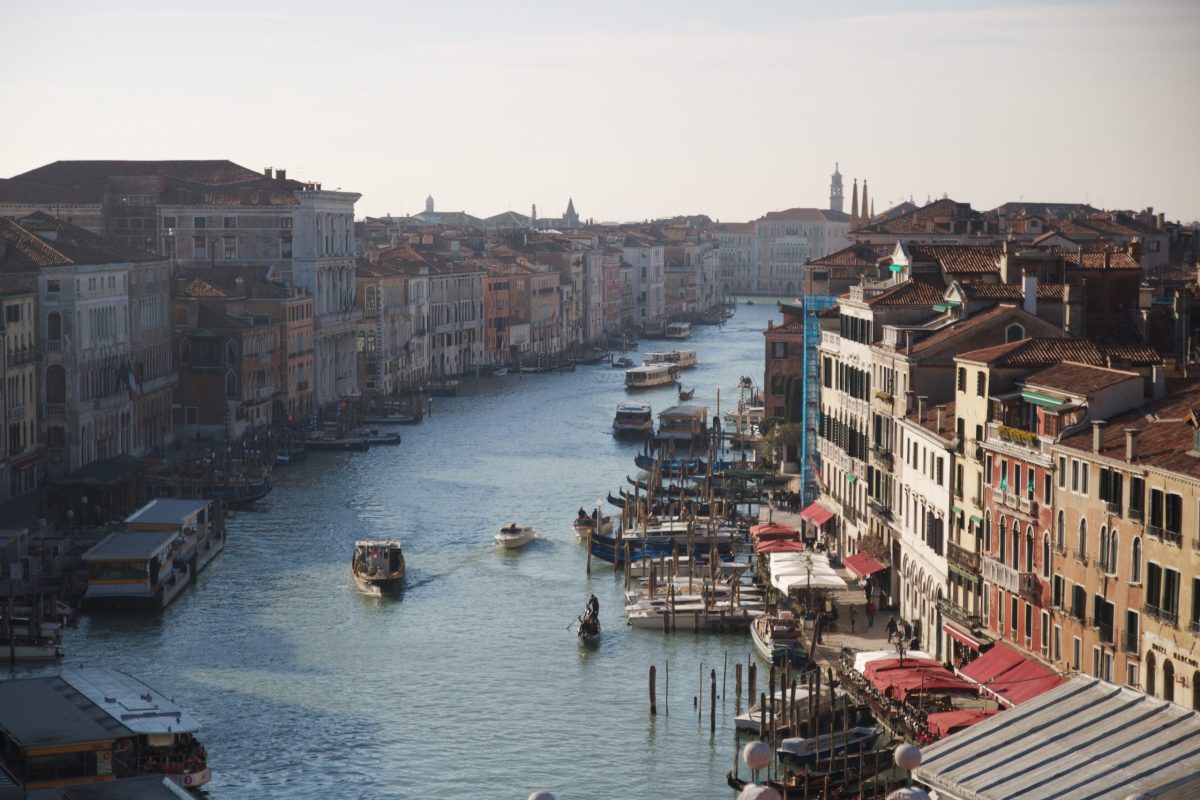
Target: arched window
x=1112, y=551
x=370, y=297
x=1135, y=564
x=1029, y=549
x=1082, y=554
x=56, y=384
x=362, y=341
x=1014, y=333
x=1104, y=548
x=54, y=326
x=1016, y=545
x=370, y=343
x=987, y=531
x=1046, y=555
x=1168, y=680
x=1001, y=534
x=231, y=352
x=231, y=384
x=1060, y=533
x=1150, y=665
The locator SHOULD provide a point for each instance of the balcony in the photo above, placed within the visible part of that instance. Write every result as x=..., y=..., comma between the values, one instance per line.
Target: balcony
x=1169, y=617
x=957, y=614
x=962, y=557
x=54, y=345
x=23, y=356
x=1136, y=514
x=880, y=510
x=1017, y=437
x=56, y=409
x=1027, y=506
x=1113, y=508
x=830, y=341
x=1194, y=626
x=16, y=413
x=1030, y=587
x=999, y=574
x=1166, y=534
x=883, y=456
x=1106, y=632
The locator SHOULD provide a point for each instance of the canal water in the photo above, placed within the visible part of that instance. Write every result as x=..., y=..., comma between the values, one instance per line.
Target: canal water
x=471, y=685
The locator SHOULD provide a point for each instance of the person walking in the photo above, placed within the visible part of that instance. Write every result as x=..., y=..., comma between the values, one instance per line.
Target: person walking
x=867, y=589
x=892, y=627
x=853, y=616
x=870, y=609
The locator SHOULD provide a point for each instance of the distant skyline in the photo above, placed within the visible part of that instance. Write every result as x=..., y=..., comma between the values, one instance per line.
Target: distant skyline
x=634, y=110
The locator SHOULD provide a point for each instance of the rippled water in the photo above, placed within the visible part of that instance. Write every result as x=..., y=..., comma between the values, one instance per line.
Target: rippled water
x=471, y=685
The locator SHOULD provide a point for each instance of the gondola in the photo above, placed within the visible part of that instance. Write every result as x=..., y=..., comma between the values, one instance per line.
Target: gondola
x=685, y=395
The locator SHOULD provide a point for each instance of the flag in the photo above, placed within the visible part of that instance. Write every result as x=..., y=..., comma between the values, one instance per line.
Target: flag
x=126, y=376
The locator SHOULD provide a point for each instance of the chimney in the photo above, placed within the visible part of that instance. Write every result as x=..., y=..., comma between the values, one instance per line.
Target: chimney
x=1097, y=435
x=162, y=181
x=1161, y=221
x=909, y=398
x=267, y=172
x=281, y=174
x=1131, y=439
x=921, y=403
x=1029, y=284
x=940, y=409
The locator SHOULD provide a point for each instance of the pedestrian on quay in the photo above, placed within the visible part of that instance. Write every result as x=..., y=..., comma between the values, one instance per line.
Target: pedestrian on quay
x=853, y=616
x=867, y=589
x=892, y=628
x=870, y=609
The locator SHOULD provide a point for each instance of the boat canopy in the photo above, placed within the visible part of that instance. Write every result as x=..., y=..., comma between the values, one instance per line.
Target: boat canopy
x=130, y=702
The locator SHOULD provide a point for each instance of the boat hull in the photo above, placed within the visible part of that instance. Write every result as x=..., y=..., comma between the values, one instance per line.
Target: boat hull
x=514, y=541
x=380, y=585
x=805, y=752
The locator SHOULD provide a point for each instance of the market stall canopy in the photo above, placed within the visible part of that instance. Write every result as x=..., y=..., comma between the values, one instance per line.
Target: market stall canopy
x=778, y=546
x=944, y=723
x=1084, y=738
x=817, y=514
x=929, y=682
x=785, y=583
x=862, y=565
x=773, y=530
x=861, y=660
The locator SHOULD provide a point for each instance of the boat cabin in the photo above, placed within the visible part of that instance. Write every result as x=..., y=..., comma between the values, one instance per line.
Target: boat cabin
x=645, y=377
x=202, y=536
x=634, y=418
x=683, y=423
x=678, y=330
x=94, y=725
x=679, y=358
x=134, y=568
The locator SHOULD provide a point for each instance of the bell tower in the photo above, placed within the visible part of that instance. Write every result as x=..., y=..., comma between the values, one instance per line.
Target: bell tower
x=835, y=189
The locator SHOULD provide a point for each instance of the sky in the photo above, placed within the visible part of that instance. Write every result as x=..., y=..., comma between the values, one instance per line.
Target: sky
x=635, y=108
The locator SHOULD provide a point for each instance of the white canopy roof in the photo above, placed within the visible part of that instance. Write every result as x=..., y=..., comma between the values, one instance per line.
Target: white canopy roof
x=791, y=570
x=785, y=583
x=1084, y=739
x=129, y=701
x=866, y=657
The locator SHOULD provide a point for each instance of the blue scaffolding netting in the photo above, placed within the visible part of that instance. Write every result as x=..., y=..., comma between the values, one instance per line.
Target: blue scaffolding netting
x=811, y=403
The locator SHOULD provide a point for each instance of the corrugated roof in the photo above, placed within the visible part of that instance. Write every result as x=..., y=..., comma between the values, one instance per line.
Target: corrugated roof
x=1085, y=739
x=130, y=545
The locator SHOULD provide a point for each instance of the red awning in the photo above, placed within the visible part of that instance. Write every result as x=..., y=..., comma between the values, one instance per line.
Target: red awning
x=959, y=635
x=931, y=682
x=1023, y=682
x=881, y=665
x=772, y=530
x=817, y=514
x=862, y=565
x=778, y=546
x=944, y=723
x=992, y=664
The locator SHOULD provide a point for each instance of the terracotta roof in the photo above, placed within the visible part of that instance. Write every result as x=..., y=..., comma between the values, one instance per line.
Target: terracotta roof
x=734, y=227
x=1166, y=432
x=959, y=258
x=865, y=256
x=1040, y=352
x=1032, y=209
x=805, y=215
x=42, y=241
x=1103, y=260
x=198, y=287
x=940, y=217
x=17, y=284
x=978, y=290
x=1076, y=378
x=913, y=292
x=931, y=418
x=979, y=330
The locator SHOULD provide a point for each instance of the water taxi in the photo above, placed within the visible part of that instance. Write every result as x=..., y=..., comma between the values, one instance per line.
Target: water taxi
x=633, y=419
x=649, y=377
x=378, y=565
x=678, y=358
x=164, y=545
x=678, y=330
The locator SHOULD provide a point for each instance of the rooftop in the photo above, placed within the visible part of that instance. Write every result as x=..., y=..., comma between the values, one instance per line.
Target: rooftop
x=130, y=546
x=1077, y=379
x=48, y=711
x=1040, y=352
x=166, y=512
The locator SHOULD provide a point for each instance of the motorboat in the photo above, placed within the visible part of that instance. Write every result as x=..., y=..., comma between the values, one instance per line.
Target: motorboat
x=633, y=419
x=585, y=524
x=649, y=377
x=513, y=536
x=799, y=752
x=338, y=443
x=501, y=372
x=375, y=437
x=378, y=565
x=678, y=330
x=779, y=639
x=391, y=418
x=624, y=362
x=755, y=716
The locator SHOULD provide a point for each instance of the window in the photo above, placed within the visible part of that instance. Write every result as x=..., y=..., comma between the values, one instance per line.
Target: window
x=1074, y=475
x=169, y=222
x=1014, y=333
x=941, y=465
x=1156, y=508
x=1083, y=551
x=285, y=223
x=1195, y=619
x=1174, y=515
x=285, y=246
x=980, y=383
x=1003, y=476
x=987, y=471
x=1057, y=654
x=778, y=349
x=53, y=286
x=199, y=222
x=1170, y=594
x=1062, y=472
x=1111, y=489
x=1084, y=470
x=12, y=313
x=1076, y=653
x=1000, y=611
x=1078, y=602
x=1047, y=486
x=230, y=222
x=1058, y=587
x=1153, y=586
x=230, y=250
x=777, y=384
x=1060, y=533
x=1137, y=497
x=1135, y=564
x=962, y=379
x=1013, y=617
x=199, y=247
x=1103, y=560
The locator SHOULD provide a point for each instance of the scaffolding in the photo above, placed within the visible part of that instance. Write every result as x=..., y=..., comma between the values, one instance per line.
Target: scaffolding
x=811, y=402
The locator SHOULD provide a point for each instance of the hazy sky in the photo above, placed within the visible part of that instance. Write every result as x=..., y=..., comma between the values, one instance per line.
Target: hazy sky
x=636, y=108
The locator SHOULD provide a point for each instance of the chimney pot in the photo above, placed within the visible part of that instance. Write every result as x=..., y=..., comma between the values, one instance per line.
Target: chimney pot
x=1097, y=435
x=267, y=172
x=1131, y=442
x=921, y=403
x=281, y=174
x=940, y=409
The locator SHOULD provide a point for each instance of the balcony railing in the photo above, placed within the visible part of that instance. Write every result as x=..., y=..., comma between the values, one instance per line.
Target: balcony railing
x=56, y=409
x=1194, y=626
x=880, y=510
x=1000, y=574
x=16, y=413
x=1169, y=617
x=883, y=456
x=830, y=340
x=956, y=613
x=54, y=345
x=1113, y=508
x=25, y=355
x=1106, y=632
x=962, y=557
x=1136, y=514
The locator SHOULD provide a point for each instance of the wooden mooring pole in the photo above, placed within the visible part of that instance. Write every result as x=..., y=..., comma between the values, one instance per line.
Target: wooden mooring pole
x=653, y=702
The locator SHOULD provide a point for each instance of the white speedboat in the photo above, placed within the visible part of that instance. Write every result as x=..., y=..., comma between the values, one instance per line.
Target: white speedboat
x=513, y=536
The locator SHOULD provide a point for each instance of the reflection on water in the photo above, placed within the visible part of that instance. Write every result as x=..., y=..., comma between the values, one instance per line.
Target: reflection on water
x=473, y=683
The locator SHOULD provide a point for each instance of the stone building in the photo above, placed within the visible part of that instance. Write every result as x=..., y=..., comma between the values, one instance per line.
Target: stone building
x=22, y=457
